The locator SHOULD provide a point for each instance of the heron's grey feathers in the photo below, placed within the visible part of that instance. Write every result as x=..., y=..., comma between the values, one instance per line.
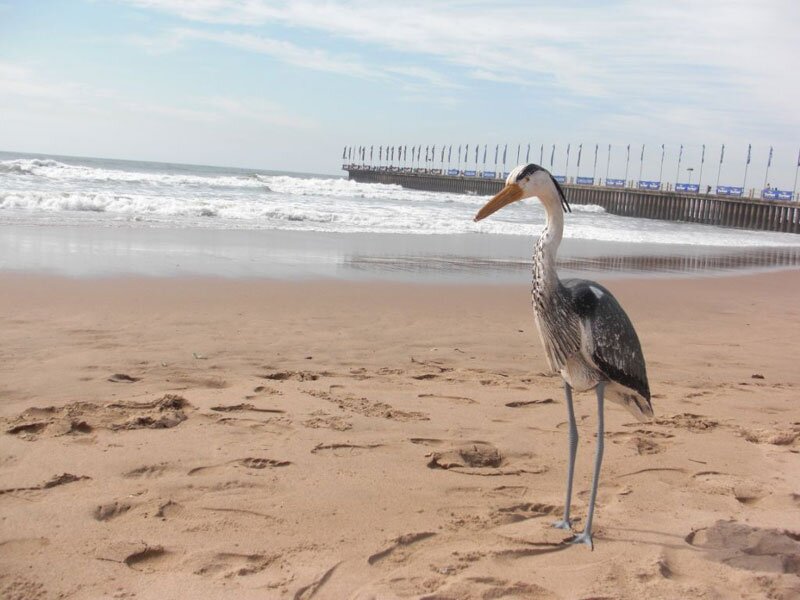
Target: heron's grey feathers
x=610, y=341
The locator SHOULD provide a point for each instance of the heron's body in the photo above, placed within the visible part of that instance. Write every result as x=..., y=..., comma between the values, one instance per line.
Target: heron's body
x=587, y=337
x=586, y=334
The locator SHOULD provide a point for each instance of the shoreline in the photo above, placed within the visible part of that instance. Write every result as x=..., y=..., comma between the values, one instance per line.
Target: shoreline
x=91, y=251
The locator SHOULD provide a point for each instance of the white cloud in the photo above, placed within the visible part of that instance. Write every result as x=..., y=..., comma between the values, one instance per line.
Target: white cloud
x=708, y=58
x=20, y=85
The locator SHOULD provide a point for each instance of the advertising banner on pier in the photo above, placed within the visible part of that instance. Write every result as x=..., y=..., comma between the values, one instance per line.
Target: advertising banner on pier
x=619, y=183
x=773, y=194
x=560, y=178
x=585, y=180
x=469, y=173
x=452, y=171
x=488, y=175
x=649, y=185
x=727, y=190
x=692, y=188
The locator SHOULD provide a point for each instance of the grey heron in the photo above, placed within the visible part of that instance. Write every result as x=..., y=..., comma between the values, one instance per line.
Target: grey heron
x=586, y=334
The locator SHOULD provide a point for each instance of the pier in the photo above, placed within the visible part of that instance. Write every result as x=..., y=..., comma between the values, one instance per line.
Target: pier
x=740, y=213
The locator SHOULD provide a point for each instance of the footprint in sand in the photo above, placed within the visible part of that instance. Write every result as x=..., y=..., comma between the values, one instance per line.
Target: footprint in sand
x=55, y=481
x=688, y=421
x=321, y=420
x=744, y=491
x=245, y=408
x=248, y=463
x=521, y=512
x=147, y=471
x=524, y=403
x=397, y=545
x=111, y=510
x=84, y=417
x=293, y=375
x=343, y=449
x=366, y=407
x=788, y=435
x=492, y=587
x=746, y=547
x=123, y=378
x=226, y=565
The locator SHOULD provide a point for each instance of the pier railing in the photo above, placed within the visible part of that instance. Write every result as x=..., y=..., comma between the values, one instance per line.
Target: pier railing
x=741, y=213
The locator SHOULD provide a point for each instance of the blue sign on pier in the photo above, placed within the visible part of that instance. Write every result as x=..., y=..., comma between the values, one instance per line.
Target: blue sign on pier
x=728, y=190
x=649, y=185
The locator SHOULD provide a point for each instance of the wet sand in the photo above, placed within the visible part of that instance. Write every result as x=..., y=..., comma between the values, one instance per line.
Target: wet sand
x=210, y=438
x=127, y=249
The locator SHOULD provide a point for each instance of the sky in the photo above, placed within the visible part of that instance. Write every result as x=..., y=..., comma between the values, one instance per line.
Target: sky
x=286, y=84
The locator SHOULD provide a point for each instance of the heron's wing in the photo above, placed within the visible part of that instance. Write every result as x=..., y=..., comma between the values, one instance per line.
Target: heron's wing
x=610, y=340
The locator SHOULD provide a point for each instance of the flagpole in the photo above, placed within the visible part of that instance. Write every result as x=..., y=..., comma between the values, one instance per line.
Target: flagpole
x=746, y=165
x=580, y=151
x=641, y=163
x=769, y=164
x=796, y=169
x=627, y=164
x=661, y=169
x=541, y=154
x=702, y=161
x=594, y=170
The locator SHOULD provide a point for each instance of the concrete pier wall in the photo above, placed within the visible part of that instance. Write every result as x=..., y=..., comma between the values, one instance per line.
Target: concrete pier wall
x=742, y=213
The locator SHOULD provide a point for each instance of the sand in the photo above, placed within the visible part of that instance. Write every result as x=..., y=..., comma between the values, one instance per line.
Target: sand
x=188, y=438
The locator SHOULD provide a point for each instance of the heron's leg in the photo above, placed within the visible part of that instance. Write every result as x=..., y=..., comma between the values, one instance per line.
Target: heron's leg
x=586, y=536
x=573, y=447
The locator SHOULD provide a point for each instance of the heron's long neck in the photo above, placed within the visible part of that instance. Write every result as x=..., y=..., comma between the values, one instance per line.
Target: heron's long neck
x=545, y=278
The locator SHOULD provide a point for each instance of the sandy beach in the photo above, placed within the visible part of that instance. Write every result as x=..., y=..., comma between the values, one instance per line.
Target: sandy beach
x=211, y=438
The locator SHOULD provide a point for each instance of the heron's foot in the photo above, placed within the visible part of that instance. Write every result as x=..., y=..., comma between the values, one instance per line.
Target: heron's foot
x=563, y=524
x=583, y=538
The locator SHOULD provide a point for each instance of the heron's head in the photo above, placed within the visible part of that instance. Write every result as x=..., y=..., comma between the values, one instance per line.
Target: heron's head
x=527, y=181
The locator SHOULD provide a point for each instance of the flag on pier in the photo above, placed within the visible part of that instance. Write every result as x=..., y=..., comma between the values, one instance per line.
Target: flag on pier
x=505, y=149
x=749, y=147
x=477, y=148
x=596, y=148
x=449, y=154
x=466, y=154
x=552, y=156
x=528, y=154
x=769, y=161
x=722, y=154
x=484, y=154
x=541, y=154
x=580, y=151
x=703, y=156
x=641, y=158
x=496, y=150
x=344, y=153
x=518, y=153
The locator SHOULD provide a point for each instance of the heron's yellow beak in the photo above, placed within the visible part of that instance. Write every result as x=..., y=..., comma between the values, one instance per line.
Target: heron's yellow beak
x=511, y=193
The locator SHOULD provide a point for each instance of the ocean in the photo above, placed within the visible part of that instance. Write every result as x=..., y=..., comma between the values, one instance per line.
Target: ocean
x=89, y=216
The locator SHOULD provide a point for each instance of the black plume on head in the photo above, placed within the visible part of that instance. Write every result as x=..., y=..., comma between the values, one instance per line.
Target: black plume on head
x=532, y=168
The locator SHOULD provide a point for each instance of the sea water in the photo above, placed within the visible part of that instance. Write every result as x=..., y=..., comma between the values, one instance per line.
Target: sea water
x=296, y=220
